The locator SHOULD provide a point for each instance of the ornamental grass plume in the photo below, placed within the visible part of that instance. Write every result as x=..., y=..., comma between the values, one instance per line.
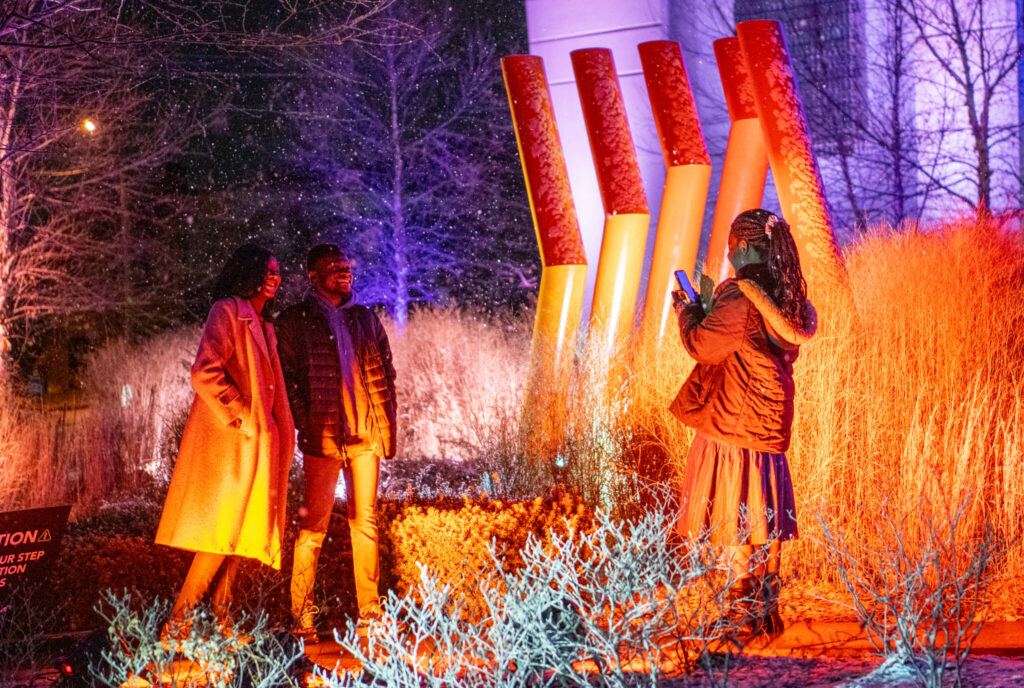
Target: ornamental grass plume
x=460, y=378
x=925, y=399
x=123, y=435
x=915, y=391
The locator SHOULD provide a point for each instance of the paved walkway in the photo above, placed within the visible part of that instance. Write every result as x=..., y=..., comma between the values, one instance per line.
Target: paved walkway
x=848, y=639
x=804, y=639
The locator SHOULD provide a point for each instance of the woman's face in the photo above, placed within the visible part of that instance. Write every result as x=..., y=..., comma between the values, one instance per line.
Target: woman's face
x=272, y=280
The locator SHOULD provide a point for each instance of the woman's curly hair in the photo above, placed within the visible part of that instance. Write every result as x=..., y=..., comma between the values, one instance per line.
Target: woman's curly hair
x=244, y=273
x=771, y=236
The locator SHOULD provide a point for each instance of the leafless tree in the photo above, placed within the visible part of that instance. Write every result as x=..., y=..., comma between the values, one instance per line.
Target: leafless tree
x=909, y=101
x=975, y=54
x=928, y=130
x=97, y=97
x=864, y=120
x=81, y=141
x=411, y=143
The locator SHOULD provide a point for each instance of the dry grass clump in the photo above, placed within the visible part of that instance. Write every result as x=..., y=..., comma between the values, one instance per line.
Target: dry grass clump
x=146, y=391
x=16, y=465
x=914, y=391
x=460, y=387
x=135, y=405
x=921, y=396
x=460, y=381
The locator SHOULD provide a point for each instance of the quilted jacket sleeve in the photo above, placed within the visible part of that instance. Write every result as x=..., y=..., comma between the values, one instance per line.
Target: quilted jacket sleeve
x=289, y=351
x=391, y=408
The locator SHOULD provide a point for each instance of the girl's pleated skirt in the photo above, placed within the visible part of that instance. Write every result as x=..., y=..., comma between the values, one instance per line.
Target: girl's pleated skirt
x=736, y=496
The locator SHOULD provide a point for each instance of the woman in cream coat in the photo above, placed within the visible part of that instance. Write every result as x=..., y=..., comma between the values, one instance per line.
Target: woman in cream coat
x=227, y=495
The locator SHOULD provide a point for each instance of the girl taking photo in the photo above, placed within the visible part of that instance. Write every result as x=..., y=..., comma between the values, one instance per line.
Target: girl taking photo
x=739, y=398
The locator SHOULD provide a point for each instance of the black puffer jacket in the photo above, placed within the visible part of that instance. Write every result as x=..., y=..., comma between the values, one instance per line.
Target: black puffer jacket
x=309, y=360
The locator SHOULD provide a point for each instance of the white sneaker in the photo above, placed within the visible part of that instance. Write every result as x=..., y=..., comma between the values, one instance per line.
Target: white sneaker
x=373, y=620
x=304, y=628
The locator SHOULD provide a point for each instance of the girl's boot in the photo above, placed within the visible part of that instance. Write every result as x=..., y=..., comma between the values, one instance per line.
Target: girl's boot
x=743, y=603
x=769, y=587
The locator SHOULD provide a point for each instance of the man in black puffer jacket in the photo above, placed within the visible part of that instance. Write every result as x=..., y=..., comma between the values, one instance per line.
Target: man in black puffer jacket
x=337, y=365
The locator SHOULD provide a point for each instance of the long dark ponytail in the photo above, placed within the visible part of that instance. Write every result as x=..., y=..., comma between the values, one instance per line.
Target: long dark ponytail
x=771, y=236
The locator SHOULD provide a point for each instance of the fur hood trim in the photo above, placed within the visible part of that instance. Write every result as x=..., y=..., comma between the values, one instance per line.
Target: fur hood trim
x=792, y=332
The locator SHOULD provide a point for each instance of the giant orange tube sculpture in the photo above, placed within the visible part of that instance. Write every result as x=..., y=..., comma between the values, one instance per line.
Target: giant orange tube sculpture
x=686, y=181
x=746, y=161
x=794, y=167
x=625, y=205
x=564, y=273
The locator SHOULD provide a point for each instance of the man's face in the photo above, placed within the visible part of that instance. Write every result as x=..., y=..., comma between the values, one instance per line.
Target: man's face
x=272, y=280
x=332, y=277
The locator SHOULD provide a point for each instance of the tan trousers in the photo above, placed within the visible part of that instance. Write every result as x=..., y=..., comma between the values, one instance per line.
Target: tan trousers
x=320, y=478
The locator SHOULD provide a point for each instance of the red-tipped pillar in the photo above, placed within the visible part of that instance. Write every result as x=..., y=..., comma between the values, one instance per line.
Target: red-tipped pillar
x=686, y=181
x=564, y=273
x=794, y=167
x=625, y=205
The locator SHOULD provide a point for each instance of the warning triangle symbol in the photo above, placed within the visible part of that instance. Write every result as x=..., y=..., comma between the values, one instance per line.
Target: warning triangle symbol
x=45, y=537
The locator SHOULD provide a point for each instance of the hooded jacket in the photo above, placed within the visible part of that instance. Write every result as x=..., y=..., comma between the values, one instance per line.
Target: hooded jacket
x=312, y=372
x=741, y=390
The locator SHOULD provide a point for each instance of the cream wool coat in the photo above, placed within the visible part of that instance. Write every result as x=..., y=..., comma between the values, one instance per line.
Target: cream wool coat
x=227, y=493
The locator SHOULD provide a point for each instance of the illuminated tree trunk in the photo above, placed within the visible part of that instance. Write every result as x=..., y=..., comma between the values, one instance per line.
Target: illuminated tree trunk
x=746, y=161
x=794, y=167
x=9, y=92
x=686, y=182
x=622, y=193
x=564, y=271
x=399, y=236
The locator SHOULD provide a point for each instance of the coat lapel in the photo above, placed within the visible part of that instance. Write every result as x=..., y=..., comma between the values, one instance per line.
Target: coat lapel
x=246, y=312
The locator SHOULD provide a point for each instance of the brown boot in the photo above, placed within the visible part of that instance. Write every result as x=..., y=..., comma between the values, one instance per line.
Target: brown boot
x=742, y=611
x=768, y=588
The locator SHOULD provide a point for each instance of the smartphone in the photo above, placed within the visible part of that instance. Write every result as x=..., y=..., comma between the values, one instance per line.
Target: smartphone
x=686, y=286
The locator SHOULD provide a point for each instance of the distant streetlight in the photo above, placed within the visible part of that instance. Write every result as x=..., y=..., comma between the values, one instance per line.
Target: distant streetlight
x=89, y=126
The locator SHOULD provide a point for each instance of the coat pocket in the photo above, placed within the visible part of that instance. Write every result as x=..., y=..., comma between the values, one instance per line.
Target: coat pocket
x=691, y=403
x=246, y=422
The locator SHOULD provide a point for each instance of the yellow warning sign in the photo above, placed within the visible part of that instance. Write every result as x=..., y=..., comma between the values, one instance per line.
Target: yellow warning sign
x=45, y=537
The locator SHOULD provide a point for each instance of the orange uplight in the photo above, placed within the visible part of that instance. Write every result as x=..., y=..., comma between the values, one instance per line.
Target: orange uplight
x=89, y=126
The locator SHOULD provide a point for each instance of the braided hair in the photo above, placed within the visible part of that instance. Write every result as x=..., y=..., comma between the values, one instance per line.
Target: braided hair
x=771, y=236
